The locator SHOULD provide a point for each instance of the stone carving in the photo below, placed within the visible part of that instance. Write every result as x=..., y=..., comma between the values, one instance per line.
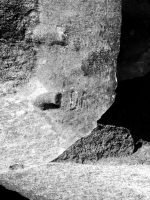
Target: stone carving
x=78, y=101
x=73, y=100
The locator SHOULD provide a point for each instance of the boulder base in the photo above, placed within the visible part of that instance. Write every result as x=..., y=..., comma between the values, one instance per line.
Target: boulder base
x=104, y=141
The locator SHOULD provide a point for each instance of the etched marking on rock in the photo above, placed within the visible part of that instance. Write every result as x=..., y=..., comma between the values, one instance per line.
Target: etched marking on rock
x=78, y=101
x=73, y=100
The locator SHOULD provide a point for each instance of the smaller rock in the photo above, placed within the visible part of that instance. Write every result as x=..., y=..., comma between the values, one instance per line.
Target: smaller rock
x=104, y=141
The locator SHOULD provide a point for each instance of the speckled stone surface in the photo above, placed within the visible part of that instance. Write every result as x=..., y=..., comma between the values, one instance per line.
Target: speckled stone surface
x=58, y=76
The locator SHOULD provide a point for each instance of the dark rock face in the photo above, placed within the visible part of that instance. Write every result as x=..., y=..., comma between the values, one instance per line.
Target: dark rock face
x=104, y=141
x=131, y=108
x=12, y=13
x=16, y=17
x=17, y=55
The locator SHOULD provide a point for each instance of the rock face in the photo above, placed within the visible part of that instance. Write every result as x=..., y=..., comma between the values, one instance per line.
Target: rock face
x=76, y=55
x=58, y=74
x=131, y=108
x=17, y=56
x=104, y=141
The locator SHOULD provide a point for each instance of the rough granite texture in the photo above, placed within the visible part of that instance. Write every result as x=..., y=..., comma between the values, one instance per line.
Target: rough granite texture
x=104, y=141
x=58, y=72
x=77, y=59
x=57, y=75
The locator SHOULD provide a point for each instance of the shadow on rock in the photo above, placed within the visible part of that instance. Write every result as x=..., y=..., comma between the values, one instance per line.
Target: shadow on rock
x=131, y=108
x=122, y=130
x=104, y=141
x=8, y=193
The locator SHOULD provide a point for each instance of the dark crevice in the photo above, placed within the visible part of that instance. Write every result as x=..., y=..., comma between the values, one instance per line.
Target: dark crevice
x=44, y=101
x=11, y=16
x=47, y=106
x=137, y=146
x=131, y=108
x=60, y=43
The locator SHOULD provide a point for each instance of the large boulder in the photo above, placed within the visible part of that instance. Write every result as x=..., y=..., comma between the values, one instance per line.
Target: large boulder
x=57, y=75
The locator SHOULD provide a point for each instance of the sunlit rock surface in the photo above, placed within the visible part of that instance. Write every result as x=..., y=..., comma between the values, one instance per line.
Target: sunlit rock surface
x=57, y=75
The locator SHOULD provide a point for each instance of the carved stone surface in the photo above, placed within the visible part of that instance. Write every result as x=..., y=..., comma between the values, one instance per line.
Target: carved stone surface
x=57, y=75
x=59, y=69
x=77, y=59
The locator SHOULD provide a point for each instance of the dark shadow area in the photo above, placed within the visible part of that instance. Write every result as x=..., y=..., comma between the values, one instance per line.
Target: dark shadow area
x=47, y=106
x=61, y=43
x=12, y=28
x=131, y=108
x=8, y=194
x=58, y=99
x=137, y=146
x=134, y=56
x=44, y=101
x=56, y=105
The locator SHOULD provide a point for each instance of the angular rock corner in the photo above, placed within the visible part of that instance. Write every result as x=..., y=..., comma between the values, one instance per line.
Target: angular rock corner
x=104, y=141
x=57, y=75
